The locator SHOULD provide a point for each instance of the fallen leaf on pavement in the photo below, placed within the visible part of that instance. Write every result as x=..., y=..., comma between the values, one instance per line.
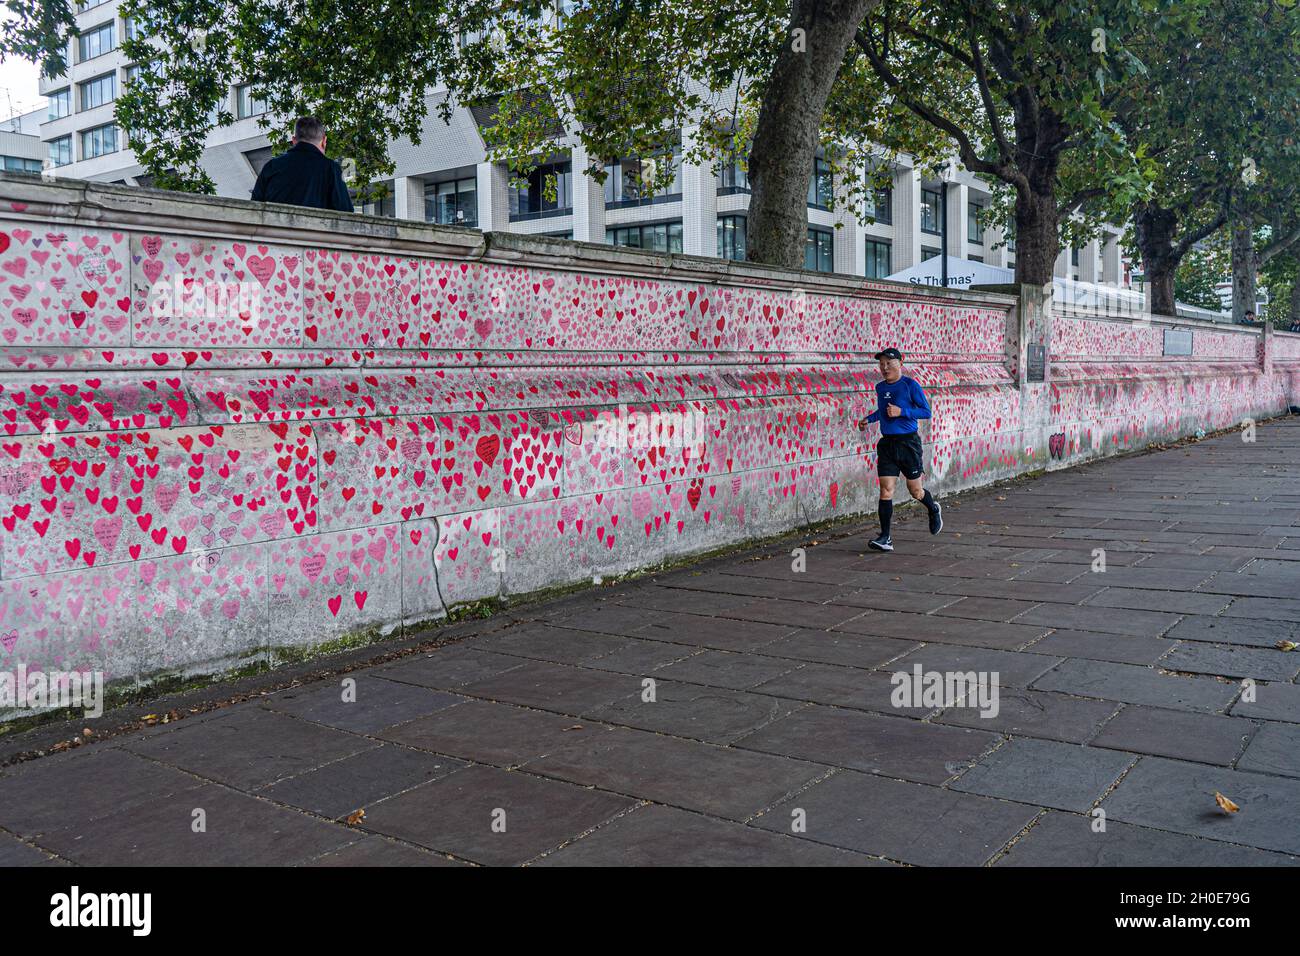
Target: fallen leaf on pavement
x=356, y=816
x=1226, y=805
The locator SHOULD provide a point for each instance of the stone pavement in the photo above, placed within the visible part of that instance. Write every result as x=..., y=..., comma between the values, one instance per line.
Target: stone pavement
x=772, y=737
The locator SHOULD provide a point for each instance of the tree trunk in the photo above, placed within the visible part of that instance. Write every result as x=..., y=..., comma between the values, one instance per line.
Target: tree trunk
x=1155, y=228
x=1037, y=240
x=1039, y=135
x=789, y=126
x=1243, y=269
x=1294, y=315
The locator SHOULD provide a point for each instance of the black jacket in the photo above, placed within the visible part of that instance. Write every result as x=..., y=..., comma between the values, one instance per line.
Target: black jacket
x=303, y=176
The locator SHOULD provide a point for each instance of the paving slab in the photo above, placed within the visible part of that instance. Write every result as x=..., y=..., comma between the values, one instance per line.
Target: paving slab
x=212, y=825
x=1096, y=646
x=1225, y=630
x=345, y=786
x=894, y=746
x=1033, y=713
x=1013, y=668
x=1178, y=796
x=907, y=822
x=448, y=667
x=849, y=650
x=381, y=851
x=725, y=634
x=1233, y=661
x=555, y=687
x=558, y=645
x=1045, y=773
x=933, y=629
x=844, y=687
x=1133, y=684
x=250, y=748
x=1068, y=839
x=727, y=669
x=74, y=790
x=492, y=816
x=1275, y=749
x=654, y=835
x=14, y=852
x=1090, y=617
x=494, y=733
x=643, y=657
x=1204, y=738
x=720, y=781
x=1173, y=602
x=366, y=705
x=712, y=714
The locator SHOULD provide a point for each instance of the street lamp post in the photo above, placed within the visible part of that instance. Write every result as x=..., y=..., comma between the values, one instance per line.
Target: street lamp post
x=945, y=174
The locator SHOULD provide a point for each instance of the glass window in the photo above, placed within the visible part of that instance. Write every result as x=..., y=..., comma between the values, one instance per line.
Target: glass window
x=821, y=186
x=1011, y=237
x=385, y=205
x=97, y=92
x=734, y=178
x=976, y=258
x=630, y=181
x=130, y=30
x=19, y=164
x=1074, y=257
x=879, y=254
x=61, y=150
x=453, y=203
x=654, y=237
x=819, y=251
x=95, y=42
x=731, y=237
x=928, y=253
x=98, y=141
x=880, y=205
x=130, y=74
x=246, y=104
x=89, y=4
x=975, y=222
x=60, y=103
x=931, y=210
x=531, y=202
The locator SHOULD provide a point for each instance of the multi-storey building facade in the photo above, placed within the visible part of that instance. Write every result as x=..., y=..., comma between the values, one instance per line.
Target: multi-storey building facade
x=447, y=178
x=21, y=150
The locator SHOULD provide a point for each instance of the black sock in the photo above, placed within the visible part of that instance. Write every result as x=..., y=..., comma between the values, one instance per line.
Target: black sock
x=928, y=500
x=886, y=514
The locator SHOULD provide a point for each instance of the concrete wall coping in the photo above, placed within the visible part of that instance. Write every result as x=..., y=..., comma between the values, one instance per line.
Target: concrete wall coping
x=103, y=205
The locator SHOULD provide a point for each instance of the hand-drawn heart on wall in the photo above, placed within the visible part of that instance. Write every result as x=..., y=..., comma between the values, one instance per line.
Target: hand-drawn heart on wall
x=1056, y=444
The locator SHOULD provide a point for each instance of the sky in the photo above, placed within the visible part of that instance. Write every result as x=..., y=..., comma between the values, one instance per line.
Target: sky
x=18, y=90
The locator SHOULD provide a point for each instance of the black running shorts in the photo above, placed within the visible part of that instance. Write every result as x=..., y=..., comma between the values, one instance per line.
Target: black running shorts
x=897, y=454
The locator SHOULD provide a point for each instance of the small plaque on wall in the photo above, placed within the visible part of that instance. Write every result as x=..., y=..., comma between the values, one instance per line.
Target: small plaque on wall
x=1036, y=367
x=1178, y=341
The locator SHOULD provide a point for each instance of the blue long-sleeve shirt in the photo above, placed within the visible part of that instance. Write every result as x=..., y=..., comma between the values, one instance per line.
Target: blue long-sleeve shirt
x=911, y=401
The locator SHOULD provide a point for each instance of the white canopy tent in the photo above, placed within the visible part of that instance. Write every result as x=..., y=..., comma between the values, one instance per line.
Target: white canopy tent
x=962, y=273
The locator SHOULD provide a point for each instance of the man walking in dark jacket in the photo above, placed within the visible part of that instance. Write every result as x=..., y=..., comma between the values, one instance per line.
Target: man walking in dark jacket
x=304, y=175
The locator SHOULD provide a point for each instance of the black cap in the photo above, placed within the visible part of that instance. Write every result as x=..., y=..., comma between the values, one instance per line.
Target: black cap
x=890, y=353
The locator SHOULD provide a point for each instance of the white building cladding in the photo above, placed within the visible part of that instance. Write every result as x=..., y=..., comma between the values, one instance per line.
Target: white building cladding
x=447, y=179
x=21, y=149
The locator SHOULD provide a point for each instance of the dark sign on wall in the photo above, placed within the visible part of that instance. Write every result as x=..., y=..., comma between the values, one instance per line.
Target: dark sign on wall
x=1036, y=367
x=1178, y=341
